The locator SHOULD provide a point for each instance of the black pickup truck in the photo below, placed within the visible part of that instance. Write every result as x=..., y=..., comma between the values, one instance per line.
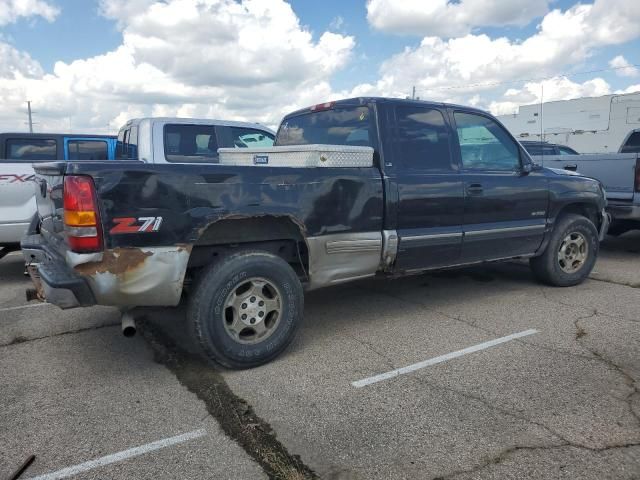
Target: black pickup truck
x=446, y=186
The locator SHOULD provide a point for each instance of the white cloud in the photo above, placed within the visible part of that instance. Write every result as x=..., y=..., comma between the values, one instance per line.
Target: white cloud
x=445, y=18
x=249, y=60
x=12, y=10
x=625, y=69
x=630, y=89
x=558, y=88
x=14, y=63
x=477, y=62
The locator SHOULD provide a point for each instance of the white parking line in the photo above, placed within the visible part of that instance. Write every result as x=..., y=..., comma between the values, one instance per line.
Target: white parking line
x=120, y=456
x=440, y=359
x=19, y=307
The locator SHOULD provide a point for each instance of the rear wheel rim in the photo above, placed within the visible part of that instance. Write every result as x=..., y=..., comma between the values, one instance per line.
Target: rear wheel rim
x=252, y=311
x=573, y=252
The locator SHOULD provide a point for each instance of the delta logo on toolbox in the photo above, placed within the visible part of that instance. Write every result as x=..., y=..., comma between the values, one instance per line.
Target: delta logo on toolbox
x=13, y=178
x=136, y=225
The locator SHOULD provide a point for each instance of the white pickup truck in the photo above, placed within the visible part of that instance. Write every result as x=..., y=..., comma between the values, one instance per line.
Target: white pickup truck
x=620, y=175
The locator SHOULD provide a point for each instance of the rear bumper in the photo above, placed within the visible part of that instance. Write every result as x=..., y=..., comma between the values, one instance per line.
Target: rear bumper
x=622, y=211
x=54, y=280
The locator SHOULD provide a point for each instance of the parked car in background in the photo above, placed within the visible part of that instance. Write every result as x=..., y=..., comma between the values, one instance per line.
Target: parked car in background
x=18, y=151
x=620, y=175
x=186, y=140
x=352, y=189
x=544, y=148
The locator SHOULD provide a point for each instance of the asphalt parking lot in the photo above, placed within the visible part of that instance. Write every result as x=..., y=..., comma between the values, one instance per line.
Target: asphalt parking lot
x=505, y=378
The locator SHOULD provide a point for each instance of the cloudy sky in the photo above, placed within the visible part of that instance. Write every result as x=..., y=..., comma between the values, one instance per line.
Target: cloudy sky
x=90, y=65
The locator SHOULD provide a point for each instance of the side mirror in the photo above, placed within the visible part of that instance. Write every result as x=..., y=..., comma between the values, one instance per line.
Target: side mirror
x=526, y=168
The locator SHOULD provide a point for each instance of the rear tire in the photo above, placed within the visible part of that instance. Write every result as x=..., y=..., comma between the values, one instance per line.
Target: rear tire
x=246, y=308
x=571, y=253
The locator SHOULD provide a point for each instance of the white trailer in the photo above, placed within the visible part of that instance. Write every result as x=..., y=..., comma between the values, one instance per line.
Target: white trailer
x=607, y=124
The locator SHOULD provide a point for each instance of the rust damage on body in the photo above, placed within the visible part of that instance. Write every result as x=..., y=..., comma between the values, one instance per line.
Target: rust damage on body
x=116, y=261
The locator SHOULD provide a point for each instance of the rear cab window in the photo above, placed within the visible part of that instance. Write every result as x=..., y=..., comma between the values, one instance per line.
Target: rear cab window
x=88, y=150
x=342, y=125
x=30, y=150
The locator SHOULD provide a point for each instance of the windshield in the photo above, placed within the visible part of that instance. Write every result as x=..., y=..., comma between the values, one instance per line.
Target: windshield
x=339, y=126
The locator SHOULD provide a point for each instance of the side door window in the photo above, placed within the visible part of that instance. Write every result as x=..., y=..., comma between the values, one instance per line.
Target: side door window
x=566, y=151
x=87, y=150
x=485, y=145
x=632, y=145
x=422, y=140
x=241, y=137
x=190, y=143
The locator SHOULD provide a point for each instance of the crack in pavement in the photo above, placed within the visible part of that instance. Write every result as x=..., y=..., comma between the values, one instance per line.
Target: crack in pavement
x=629, y=380
x=564, y=442
x=614, y=282
x=504, y=454
x=474, y=324
x=21, y=339
x=235, y=416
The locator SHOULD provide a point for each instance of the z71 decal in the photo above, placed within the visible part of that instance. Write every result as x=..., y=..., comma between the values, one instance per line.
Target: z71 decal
x=136, y=225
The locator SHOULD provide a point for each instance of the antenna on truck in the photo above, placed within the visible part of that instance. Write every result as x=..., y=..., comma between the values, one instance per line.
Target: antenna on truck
x=29, y=116
x=542, y=120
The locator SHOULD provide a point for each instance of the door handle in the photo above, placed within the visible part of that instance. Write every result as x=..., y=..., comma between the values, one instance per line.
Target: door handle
x=572, y=167
x=474, y=189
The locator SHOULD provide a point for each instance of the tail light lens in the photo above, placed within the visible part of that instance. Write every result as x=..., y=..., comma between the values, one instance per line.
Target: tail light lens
x=637, y=189
x=322, y=106
x=81, y=215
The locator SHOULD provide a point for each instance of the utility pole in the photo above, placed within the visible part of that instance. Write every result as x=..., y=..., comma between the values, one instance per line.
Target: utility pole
x=413, y=93
x=30, y=119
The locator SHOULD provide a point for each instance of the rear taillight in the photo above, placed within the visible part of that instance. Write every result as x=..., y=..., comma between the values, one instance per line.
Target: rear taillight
x=81, y=216
x=637, y=186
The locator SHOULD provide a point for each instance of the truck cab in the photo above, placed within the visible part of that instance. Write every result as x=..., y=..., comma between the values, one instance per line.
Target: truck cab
x=186, y=140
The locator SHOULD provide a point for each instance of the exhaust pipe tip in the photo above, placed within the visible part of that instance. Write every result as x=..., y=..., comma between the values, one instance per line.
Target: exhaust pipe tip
x=128, y=325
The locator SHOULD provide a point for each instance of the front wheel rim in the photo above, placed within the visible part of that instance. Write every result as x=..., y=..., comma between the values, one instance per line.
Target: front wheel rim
x=573, y=252
x=252, y=311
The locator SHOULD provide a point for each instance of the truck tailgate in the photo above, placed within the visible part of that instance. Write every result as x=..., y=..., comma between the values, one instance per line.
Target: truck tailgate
x=49, y=181
x=616, y=171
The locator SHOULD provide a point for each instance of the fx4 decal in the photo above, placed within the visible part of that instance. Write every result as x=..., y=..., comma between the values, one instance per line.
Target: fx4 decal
x=13, y=178
x=136, y=225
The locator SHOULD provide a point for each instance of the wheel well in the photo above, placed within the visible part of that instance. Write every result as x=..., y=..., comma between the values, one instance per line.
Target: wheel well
x=585, y=209
x=277, y=235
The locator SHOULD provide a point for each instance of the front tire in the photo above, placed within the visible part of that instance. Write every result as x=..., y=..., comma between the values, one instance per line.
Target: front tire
x=246, y=308
x=571, y=253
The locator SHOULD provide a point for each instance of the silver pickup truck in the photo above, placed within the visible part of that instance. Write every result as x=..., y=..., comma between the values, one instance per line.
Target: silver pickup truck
x=620, y=175
x=142, y=139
